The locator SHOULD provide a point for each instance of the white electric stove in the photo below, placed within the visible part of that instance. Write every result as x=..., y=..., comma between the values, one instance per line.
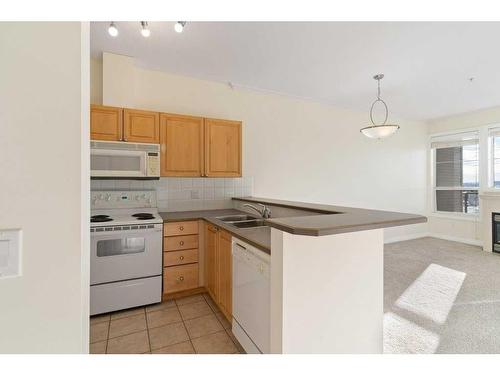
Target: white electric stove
x=126, y=250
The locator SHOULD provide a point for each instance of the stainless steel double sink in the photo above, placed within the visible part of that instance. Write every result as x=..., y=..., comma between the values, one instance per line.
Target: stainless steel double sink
x=243, y=221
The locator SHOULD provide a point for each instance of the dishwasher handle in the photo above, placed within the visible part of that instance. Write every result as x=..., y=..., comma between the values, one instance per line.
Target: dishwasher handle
x=240, y=246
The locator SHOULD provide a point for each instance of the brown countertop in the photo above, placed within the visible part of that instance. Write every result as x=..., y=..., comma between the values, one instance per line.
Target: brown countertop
x=329, y=220
x=259, y=237
x=333, y=219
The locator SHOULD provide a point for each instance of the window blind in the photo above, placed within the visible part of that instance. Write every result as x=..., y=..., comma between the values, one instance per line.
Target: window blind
x=456, y=169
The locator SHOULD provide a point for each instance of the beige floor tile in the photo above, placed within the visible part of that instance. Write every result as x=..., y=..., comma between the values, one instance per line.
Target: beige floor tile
x=160, y=306
x=182, y=348
x=98, y=347
x=222, y=319
x=163, y=317
x=195, y=310
x=135, y=343
x=127, y=313
x=216, y=343
x=99, y=318
x=203, y=326
x=167, y=335
x=211, y=303
x=98, y=332
x=235, y=341
x=189, y=299
x=128, y=325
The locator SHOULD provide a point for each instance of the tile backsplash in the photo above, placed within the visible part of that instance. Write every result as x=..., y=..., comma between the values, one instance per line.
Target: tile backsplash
x=183, y=194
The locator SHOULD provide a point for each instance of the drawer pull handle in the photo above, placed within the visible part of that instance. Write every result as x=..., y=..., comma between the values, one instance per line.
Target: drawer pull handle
x=181, y=243
x=181, y=257
x=180, y=278
x=181, y=228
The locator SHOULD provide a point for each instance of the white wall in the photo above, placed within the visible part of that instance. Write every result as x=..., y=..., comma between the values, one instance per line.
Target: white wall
x=465, y=229
x=43, y=144
x=294, y=149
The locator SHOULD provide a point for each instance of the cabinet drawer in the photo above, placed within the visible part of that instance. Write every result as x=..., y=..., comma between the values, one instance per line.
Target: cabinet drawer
x=180, y=242
x=175, y=258
x=180, y=228
x=179, y=278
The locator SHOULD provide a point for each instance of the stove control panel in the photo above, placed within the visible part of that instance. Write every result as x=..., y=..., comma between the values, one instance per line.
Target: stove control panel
x=123, y=199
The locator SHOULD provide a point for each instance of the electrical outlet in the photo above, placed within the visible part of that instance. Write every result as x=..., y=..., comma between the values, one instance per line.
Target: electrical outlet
x=10, y=253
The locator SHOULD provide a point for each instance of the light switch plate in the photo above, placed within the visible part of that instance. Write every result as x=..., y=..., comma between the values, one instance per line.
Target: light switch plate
x=10, y=253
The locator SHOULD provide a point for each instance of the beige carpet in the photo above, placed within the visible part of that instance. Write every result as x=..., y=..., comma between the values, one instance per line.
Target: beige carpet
x=441, y=297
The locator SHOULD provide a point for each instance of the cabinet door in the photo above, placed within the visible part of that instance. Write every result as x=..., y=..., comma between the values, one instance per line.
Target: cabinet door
x=222, y=148
x=211, y=259
x=225, y=272
x=181, y=139
x=106, y=123
x=141, y=126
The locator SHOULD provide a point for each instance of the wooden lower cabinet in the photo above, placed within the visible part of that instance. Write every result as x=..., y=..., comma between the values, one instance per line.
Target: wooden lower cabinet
x=178, y=278
x=218, y=271
x=180, y=257
x=211, y=234
x=181, y=269
x=225, y=271
x=176, y=258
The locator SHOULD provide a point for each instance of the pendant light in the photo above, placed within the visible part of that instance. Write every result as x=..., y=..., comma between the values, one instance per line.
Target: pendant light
x=382, y=130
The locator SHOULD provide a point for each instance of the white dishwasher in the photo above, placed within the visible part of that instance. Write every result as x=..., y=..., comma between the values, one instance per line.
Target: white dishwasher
x=251, y=297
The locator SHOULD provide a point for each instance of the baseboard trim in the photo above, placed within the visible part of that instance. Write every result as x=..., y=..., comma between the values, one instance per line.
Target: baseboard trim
x=415, y=236
x=406, y=237
x=467, y=241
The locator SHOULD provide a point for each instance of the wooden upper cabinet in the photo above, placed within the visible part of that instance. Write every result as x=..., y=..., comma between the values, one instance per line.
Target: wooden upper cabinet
x=222, y=148
x=181, y=139
x=106, y=123
x=225, y=274
x=141, y=126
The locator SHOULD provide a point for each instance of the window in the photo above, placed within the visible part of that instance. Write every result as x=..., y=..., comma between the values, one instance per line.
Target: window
x=456, y=173
x=495, y=157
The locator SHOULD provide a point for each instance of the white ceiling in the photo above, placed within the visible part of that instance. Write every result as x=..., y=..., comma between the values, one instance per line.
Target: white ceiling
x=427, y=66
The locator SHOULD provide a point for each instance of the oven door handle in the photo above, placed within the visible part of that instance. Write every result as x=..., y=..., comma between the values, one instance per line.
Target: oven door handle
x=121, y=233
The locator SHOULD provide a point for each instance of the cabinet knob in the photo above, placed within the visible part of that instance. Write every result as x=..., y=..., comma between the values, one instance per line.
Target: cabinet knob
x=181, y=257
x=181, y=278
x=181, y=243
x=181, y=228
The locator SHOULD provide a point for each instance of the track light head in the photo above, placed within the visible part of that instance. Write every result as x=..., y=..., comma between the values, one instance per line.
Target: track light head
x=112, y=30
x=145, y=29
x=179, y=26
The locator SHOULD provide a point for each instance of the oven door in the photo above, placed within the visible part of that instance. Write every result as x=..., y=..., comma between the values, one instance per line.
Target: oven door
x=118, y=254
x=118, y=163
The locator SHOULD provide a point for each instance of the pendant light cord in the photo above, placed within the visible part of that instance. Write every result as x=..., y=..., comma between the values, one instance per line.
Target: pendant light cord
x=381, y=101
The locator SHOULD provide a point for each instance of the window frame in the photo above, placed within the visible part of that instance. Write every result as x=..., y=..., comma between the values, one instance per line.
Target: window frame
x=486, y=168
x=435, y=188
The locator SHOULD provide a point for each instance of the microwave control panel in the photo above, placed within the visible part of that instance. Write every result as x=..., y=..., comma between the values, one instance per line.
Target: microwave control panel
x=153, y=165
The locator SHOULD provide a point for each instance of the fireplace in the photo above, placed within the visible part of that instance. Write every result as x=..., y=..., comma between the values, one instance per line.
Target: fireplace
x=495, y=230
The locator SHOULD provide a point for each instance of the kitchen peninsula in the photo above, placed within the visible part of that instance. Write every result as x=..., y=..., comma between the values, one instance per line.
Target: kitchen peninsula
x=326, y=271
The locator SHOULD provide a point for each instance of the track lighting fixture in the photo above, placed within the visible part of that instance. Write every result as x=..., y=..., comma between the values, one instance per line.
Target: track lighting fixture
x=179, y=26
x=145, y=29
x=112, y=30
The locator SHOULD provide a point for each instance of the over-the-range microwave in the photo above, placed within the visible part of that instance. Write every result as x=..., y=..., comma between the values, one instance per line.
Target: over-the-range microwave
x=124, y=160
